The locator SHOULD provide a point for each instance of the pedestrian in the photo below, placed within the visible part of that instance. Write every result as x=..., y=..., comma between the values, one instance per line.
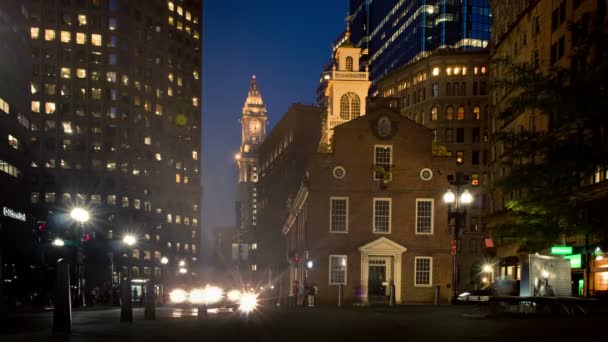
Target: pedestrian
x=294, y=294
x=312, y=291
x=301, y=293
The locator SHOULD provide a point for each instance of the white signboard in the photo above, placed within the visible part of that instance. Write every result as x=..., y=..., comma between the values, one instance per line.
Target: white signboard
x=546, y=276
x=8, y=212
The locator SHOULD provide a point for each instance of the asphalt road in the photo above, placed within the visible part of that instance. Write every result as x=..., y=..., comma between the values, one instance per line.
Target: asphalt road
x=411, y=323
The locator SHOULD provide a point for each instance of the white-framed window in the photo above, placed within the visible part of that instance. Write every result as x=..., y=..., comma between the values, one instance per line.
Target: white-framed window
x=382, y=215
x=337, y=269
x=383, y=157
x=338, y=215
x=423, y=275
x=424, y=215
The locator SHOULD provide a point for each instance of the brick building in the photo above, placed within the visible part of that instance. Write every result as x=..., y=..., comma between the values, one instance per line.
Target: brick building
x=370, y=214
x=448, y=93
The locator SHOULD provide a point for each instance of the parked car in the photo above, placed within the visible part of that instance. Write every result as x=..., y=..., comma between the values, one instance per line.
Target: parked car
x=474, y=296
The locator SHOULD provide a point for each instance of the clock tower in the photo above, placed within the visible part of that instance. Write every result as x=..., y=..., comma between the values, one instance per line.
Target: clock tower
x=253, y=131
x=346, y=92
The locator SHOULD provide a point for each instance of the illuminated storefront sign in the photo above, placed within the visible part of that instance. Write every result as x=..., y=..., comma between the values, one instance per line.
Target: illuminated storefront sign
x=576, y=260
x=8, y=212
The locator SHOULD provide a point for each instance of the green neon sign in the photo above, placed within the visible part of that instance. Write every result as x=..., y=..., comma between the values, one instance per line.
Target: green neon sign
x=576, y=260
x=561, y=250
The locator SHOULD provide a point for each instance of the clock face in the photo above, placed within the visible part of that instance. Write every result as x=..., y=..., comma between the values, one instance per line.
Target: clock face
x=384, y=127
x=254, y=126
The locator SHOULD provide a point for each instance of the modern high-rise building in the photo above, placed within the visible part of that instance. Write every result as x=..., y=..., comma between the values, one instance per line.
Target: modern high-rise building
x=116, y=128
x=395, y=32
x=253, y=124
x=17, y=250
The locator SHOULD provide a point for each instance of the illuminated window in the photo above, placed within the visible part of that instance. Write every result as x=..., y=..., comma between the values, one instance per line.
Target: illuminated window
x=81, y=73
x=125, y=80
x=49, y=107
x=195, y=155
x=125, y=202
x=158, y=110
x=82, y=20
x=66, y=36
x=178, y=219
x=459, y=157
x=383, y=157
x=435, y=71
x=448, y=71
x=112, y=24
x=34, y=32
x=195, y=74
x=159, y=157
x=460, y=113
x=170, y=77
x=171, y=6
x=111, y=76
x=96, y=93
x=195, y=34
x=476, y=70
x=49, y=34
x=449, y=113
x=13, y=142
x=179, y=25
x=180, y=10
x=96, y=39
x=65, y=73
x=195, y=101
x=179, y=81
x=476, y=113
x=169, y=220
x=434, y=114
x=188, y=16
x=171, y=21
x=254, y=267
x=81, y=38
x=178, y=178
x=148, y=140
x=136, y=204
x=484, y=70
x=36, y=106
x=169, y=91
x=456, y=71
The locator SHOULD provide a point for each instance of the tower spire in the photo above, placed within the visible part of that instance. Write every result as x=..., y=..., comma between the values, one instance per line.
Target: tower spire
x=254, y=101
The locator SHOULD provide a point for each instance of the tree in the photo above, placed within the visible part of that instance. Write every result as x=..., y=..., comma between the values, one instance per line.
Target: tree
x=543, y=190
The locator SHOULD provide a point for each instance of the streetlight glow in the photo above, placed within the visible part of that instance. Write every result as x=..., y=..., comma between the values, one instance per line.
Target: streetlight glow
x=164, y=260
x=58, y=243
x=466, y=197
x=183, y=270
x=80, y=215
x=488, y=268
x=129, y=240
x=182, y=263
x=449, y=197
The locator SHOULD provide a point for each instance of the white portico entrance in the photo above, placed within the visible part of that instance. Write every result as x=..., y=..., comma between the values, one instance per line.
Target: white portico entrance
x=380, y=265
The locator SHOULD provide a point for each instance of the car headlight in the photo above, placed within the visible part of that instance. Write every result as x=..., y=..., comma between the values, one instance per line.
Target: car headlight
x=234, y=295
x=248, y=302
x=464, y=294
x=197, y=296
x=178, y=296
x=212, y=294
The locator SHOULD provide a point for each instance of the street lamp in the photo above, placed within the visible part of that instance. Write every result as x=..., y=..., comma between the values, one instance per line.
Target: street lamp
x=182, y=263
x=163, y=261
x=81, y=216
x=58, y=242
x=460, y=200
x=126, y=305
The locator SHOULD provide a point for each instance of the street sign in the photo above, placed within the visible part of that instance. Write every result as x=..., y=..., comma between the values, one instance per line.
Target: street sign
x=561, y=250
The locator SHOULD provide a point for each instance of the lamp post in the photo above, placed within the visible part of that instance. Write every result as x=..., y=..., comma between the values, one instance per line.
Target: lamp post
x=81, y=216
x=126, y=304
x=163, y=261
x=460, y=200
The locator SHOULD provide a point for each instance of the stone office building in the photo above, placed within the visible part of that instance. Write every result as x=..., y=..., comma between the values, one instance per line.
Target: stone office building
x=370, y=214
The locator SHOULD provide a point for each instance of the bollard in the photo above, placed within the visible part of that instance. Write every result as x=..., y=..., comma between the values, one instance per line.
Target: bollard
x=437, y=295
x=391, y=298
x=202, y=311
x=126, y=302
x=62, y=313
x=340, y=295
x=150, y=308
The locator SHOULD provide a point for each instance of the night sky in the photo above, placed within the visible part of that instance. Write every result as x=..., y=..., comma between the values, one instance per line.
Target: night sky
x=285, y=44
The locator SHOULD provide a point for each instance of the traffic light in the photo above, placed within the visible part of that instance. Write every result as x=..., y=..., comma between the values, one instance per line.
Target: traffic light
x=296, y=259
x=87, y=237
x=41, y=226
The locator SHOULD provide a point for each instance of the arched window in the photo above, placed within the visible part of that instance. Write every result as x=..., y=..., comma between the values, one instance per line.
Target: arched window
x=349, y=63
x=355, y=106
x=476, y=113
x=460, y=113
x=434, y=114
x=344, y=107
x=449, y=113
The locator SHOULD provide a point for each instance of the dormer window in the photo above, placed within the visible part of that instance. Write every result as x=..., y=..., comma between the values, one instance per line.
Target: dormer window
x=349, y=63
